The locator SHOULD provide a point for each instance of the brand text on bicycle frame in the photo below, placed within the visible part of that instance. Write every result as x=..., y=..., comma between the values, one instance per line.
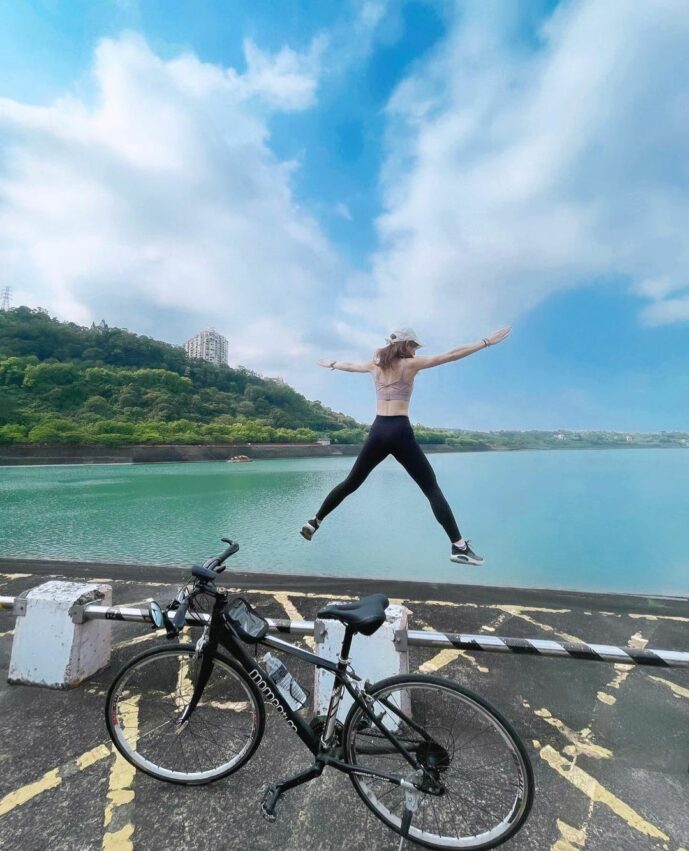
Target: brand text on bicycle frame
x=267, y=693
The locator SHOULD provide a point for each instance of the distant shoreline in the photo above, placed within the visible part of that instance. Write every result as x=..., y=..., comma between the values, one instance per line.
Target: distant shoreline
x=13, y=455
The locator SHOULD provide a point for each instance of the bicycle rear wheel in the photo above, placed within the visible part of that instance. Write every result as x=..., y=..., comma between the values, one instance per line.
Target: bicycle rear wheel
x=476, y=787
x=147, y=698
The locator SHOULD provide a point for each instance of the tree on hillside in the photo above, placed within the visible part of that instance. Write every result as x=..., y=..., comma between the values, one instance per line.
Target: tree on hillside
x=57, y=372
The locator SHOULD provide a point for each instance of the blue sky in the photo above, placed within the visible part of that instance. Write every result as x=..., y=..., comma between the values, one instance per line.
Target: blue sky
x=306, y=175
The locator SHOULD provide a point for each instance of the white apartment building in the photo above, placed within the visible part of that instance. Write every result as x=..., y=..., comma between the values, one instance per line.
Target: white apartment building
x=208, y=345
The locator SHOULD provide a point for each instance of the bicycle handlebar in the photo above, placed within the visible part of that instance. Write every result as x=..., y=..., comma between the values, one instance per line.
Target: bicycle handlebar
x=180, y=614
x=215, y=563
x=230, y=551
x=175, y=616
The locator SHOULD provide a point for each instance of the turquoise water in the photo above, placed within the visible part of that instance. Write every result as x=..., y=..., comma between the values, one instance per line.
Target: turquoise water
x=589, y=520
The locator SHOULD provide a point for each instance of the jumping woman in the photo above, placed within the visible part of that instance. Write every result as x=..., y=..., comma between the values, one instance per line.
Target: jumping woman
x=393, y=369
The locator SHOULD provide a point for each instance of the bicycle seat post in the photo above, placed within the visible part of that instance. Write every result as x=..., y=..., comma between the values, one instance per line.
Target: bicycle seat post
x=338, y=688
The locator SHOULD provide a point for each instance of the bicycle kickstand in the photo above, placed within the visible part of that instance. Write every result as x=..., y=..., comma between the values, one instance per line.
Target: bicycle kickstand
x=273, y=793
x=410, y=807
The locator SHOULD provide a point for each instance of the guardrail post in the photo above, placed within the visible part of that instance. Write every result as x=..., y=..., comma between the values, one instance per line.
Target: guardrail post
x=53, y=645
x=373, y=658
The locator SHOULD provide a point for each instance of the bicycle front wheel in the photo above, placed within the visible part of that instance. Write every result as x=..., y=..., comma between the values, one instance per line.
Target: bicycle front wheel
x=475, y=784
x=147, y=699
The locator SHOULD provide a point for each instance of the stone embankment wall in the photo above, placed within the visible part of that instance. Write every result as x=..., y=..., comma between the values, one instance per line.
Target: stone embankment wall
x=65, y=454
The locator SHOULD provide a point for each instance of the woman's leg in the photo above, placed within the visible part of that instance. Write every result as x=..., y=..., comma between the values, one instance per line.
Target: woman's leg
x=410, y=455
x=372, y=453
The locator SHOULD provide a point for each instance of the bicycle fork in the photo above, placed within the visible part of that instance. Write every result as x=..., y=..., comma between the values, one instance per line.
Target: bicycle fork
x=205, y=648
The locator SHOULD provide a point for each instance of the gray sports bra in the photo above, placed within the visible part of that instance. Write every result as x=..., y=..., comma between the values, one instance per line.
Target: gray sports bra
x=399, y=390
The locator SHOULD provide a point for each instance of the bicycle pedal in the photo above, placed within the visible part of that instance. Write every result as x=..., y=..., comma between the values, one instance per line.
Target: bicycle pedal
x=269, y=803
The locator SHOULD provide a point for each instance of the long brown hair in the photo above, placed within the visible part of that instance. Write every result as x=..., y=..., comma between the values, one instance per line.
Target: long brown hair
x=385, y=357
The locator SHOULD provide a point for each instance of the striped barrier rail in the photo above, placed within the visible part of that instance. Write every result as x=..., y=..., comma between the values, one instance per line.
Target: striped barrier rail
x=418, y=638
x=459, y=641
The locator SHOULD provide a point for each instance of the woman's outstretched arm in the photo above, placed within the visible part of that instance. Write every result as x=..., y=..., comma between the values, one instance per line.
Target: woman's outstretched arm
x=427, y=361
x=346, y=366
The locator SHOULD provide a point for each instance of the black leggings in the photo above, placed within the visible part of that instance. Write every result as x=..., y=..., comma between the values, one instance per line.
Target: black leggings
x=394, y=436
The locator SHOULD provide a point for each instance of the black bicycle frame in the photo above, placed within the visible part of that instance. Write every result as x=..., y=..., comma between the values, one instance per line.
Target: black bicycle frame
x=221, y=633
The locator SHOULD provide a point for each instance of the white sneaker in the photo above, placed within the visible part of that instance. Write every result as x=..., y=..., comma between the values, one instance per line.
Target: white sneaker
x=309, y=528
x=465, y=555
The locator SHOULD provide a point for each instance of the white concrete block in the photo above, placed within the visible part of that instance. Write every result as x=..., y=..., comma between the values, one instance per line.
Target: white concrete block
x=373, y=657
x=49, y=648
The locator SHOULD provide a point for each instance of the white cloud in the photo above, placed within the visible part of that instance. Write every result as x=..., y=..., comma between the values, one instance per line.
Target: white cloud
x=343, y=210
x=514, y=173
x=371, y=12
x=667, y=311
x=160, y=205
x=286, y=80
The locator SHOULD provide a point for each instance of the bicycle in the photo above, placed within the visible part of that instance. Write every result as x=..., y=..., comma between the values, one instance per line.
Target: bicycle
x=434, y=761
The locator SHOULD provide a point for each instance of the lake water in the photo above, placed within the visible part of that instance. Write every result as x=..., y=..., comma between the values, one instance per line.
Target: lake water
x=600, y=520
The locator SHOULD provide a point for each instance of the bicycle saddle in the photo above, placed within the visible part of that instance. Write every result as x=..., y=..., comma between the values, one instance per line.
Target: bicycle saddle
x=364, y=616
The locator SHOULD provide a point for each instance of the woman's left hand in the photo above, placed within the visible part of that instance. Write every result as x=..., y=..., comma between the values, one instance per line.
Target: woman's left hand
x=498, y=336
x=326, y=363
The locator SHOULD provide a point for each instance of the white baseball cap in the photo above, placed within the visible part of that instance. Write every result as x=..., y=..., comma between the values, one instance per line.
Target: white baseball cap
x=403, y=335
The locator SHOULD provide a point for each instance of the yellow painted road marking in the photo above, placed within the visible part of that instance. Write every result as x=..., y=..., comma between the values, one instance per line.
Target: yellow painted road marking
x=128, y=642
x=580, y=742
x=305, y=594
x=232, y=705
x=443, y=603
x=660, y=618
x=678, y=691
x=439, y=661
x=121, y=787
x=145, y=583
x=120, y=840
x=636, y=642
x=9, y=632
x=519, y=612
x=184, y=688
x=444, y=657
x=149, y=636
x=570, y=838
x=291, y=611
x=92, y=756
x=137, y=604
x=51, y=779
x=595, y=791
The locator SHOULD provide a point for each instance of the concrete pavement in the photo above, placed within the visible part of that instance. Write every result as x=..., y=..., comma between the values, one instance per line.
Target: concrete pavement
x=609, y=743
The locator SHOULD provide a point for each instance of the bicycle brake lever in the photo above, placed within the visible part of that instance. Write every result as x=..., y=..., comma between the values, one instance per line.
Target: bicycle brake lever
x=169, y=626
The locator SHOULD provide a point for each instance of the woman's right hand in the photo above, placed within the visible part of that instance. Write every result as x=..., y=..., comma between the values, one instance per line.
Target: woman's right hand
x=498, y=336
x=326, y=363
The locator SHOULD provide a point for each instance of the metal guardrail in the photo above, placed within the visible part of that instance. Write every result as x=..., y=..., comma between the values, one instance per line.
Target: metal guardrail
x=418, y=638
x=547, y=647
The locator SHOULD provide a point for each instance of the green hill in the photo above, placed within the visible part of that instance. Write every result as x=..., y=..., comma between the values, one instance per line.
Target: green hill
x=63, y=383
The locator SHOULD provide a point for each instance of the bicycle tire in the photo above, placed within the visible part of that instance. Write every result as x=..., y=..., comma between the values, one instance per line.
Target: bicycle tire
x=373, y=744
x=209, y=726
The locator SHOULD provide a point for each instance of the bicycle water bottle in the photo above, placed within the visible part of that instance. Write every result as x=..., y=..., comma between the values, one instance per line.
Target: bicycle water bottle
x=285, y=683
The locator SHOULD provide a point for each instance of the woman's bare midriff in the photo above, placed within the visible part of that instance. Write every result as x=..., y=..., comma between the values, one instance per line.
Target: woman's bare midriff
x=392, y=408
